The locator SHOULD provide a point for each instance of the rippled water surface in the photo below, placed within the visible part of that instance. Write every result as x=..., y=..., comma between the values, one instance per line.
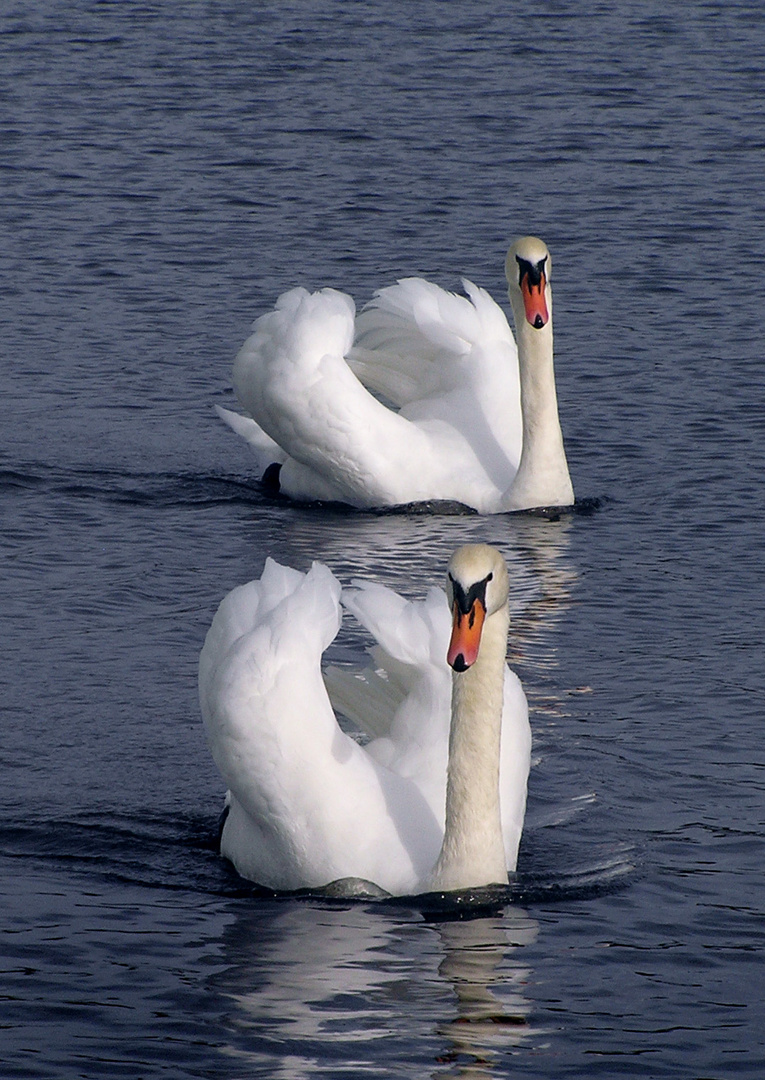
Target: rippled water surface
x=167, y=171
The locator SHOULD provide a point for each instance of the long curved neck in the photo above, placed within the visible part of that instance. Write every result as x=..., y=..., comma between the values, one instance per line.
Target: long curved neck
x=543, y=477
x=473, y=851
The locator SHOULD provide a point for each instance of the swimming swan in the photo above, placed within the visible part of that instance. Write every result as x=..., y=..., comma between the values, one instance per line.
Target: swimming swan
x=436, y=798
x=473, y=419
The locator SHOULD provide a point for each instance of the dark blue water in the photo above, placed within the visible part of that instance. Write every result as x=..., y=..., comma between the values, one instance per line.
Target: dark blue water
x=166, y=171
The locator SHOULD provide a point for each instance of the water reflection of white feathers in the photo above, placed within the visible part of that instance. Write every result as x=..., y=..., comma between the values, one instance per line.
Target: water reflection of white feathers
x=409, y=553
x=303, y=976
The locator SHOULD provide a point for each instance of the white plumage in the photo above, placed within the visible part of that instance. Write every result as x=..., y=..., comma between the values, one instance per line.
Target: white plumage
x=469, y=417
x=309, y=805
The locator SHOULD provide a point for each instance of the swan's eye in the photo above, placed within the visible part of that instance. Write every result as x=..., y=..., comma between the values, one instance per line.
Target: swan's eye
x=490, y=576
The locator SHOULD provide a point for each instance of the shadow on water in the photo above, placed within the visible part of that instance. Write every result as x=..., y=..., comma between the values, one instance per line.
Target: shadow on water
x=192, y=489
x=163, y=490
x=168, y=853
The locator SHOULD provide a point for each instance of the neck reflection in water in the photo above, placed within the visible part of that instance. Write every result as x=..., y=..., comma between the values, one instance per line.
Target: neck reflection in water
x=299, y=973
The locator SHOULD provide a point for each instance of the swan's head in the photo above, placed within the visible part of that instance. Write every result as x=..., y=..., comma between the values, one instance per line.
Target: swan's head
x=476, y=586
x=528, y=268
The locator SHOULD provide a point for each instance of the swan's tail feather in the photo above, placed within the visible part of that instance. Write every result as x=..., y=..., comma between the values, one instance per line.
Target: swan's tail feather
x=267, y=452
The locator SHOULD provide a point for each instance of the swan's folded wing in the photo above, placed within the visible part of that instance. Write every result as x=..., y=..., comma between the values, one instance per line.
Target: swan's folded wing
x=308, y=804
x=413, y=337
x=414, y=632
x=292, y=377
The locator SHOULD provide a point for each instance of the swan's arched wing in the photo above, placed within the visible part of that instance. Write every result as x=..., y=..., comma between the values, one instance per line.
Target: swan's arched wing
x=265, y=635
x=410, y=684
x=415, y=632
x=293, y=378
x=447, y=359
x=308, y=804
x=416, y=341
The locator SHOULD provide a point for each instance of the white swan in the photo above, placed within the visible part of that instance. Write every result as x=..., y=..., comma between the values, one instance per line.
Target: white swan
x=474, y=420
x=307, y=804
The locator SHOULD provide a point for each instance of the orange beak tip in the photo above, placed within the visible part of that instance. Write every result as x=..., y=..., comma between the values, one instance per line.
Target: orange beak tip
x=466, y=637
x=535, y=304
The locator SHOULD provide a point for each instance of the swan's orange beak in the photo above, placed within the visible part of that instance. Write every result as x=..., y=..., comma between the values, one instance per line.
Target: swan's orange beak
x=534, y=301
x=466, y=635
